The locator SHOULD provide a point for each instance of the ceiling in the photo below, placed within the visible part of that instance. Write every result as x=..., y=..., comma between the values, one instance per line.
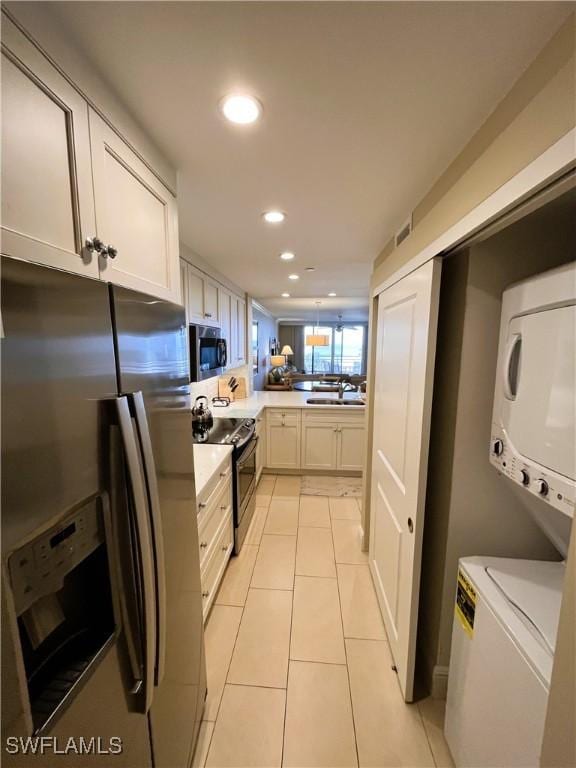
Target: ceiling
x=354, y=309
x=364, y=105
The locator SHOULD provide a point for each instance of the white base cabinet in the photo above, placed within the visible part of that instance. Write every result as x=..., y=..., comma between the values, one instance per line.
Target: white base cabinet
x=314, y=439
x=215, y=532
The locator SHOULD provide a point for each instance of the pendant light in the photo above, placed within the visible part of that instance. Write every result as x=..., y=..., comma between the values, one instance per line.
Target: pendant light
x=317, y=339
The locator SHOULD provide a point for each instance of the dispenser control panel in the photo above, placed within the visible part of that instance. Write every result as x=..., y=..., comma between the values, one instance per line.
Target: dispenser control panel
x=39, y=567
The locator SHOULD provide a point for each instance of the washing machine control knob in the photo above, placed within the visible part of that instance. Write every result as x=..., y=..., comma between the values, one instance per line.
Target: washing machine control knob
x=542, y=487
x=524, y=477
x=498, y=447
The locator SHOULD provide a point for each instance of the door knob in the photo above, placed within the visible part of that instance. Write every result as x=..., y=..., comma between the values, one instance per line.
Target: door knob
x=94, y=244
x=110, y=252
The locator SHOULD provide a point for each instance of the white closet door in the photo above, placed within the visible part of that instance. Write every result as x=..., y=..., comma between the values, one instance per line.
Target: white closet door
x=406, y=344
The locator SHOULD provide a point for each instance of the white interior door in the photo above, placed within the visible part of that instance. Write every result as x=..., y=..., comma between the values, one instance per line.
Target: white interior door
x=406, y=344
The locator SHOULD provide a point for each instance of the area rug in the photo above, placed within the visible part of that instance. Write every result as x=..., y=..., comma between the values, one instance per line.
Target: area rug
x=318, y=485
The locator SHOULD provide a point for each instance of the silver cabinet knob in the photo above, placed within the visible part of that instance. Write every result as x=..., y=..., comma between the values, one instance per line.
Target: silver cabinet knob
x=203, y=544
x=94, y=244
x=205, y=594
x=201, y=505
x=110, y=252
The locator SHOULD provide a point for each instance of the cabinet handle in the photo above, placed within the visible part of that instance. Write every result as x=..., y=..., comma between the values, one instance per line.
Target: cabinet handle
x=201, y=504
x=223, y=474
x=205, y=594
x=223, y=507
x=109, y=252
x=207, y=314
x=203, y=544
x=94, y=244
x=224, y=547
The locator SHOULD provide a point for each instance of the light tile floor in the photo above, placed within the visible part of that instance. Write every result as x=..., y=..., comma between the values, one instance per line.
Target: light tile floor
x=299, y=668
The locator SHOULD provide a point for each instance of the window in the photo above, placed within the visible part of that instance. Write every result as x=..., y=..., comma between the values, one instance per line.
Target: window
x=343, y=354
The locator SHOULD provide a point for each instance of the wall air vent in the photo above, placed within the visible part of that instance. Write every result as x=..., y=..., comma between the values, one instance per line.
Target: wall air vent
x=403, y=232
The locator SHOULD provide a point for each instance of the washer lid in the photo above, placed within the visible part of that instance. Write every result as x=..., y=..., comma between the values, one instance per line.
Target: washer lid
x=535, y=589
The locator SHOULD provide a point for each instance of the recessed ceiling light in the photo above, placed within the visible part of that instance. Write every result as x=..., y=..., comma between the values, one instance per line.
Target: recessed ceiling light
x=274, y=217
x=285, y=295
x=332, y=294
x=241, y=109
x=287, y=256
x=293, y=277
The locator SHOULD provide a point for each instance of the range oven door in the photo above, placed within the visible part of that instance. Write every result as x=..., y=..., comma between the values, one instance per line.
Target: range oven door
x=244, y=491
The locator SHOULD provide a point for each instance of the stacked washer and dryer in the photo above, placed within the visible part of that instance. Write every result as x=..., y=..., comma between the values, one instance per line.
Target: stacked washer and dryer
x=507, y=611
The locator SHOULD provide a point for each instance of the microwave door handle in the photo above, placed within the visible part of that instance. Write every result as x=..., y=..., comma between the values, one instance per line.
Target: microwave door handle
x=223, y=354
x=157, y=536
x=512, y=366
x=135, y=472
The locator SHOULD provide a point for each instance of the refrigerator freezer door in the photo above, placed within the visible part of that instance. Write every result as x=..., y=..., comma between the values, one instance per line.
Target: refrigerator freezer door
x=152, y=358
x=58, y=372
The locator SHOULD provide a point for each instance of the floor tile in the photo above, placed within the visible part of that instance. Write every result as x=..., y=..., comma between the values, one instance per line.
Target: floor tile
x=348, y=542
x=262, y=646
x=256, y=527
x=315, y=552
x=344, y=508
x=249, y=729
x=361, y=615
x=282, y=516
x=319, y=727
x=316, y=621
x=219, y=639
x=266, y=484
x=287, y=485
x=203, y=744
x=236, y=581
x=274, y=567
x=314, y=511
x=263, y=499
x=432, y=711
x=389, y=733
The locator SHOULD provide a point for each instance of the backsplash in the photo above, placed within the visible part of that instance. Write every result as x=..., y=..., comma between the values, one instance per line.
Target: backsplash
x=209, y=387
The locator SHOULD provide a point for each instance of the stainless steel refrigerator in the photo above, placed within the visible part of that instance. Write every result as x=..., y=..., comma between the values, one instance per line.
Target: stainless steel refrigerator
x=102, y=614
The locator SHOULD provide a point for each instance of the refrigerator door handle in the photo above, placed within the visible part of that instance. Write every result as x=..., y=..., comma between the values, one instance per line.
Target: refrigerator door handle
x=157, y=536
x=135, y=471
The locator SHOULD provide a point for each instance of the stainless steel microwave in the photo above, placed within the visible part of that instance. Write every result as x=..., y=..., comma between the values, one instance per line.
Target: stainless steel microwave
x=208, y=352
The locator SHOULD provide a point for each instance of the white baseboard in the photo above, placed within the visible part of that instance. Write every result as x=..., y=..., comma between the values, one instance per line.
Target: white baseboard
x=439, y=682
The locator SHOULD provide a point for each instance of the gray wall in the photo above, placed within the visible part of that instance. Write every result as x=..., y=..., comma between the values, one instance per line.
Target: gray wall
x=470, y=509
x=267, y=328
x=294, y=336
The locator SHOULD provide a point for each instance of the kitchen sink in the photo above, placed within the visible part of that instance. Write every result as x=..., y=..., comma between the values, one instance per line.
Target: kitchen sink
x=333, y=401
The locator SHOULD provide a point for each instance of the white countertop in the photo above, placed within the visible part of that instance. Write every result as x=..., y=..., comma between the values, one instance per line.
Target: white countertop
x=207, y=459
x=253, y=405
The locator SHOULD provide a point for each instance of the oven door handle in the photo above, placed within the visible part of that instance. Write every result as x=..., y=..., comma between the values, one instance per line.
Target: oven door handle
x=246, y=456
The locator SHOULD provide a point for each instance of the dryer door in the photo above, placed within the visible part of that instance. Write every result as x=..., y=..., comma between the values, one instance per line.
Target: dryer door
x=538, y=410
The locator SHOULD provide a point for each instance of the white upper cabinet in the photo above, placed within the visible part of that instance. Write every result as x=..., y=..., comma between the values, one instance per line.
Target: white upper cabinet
x=224, y=299
x=203, y=300
x=211, y=313
x=47, y=198
x=237, y=355
x=195, y=284
x=136, y=217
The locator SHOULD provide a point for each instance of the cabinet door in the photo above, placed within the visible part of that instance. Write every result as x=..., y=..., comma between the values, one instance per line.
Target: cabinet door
x=233, y=358
x=224, y=306
x=211, y=314
x=241, y=340
x=283, y=439
x=195, y=285
x=351, y=446
x=135, y=214
x=47, y=197
x=319, y=445
x=184, y=286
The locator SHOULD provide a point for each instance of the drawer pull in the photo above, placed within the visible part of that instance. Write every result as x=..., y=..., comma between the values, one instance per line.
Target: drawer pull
x=205, y=594
x=203, y=544
x=223, y=474
x=223, y=507
x=201, y=504
x=224, y=547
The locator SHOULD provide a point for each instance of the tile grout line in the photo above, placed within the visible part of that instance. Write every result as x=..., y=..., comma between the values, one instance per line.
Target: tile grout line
x=426, y=735
x=345, y=652
x=289, y=645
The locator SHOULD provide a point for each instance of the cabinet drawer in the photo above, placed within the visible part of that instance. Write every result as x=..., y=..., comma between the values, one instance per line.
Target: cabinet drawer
x=212, y=522
x=212, y=575
x=289, y=418
x=211, y=491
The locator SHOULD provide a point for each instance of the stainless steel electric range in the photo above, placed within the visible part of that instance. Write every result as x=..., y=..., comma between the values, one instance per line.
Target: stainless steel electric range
x=241, y=435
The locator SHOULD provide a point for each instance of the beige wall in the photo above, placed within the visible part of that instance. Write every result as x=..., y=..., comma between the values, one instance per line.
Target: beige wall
x=538, y=111
x=470, y=508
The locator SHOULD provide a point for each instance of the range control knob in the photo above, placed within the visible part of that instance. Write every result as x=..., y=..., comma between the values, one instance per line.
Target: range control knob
x=542, y=487
x=497, y=447
x=524, y=477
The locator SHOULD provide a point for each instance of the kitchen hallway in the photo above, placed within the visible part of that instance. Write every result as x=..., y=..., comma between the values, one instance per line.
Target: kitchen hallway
x=299, y=670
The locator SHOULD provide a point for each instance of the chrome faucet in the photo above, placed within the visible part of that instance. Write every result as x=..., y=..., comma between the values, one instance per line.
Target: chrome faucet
x=345, y=386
